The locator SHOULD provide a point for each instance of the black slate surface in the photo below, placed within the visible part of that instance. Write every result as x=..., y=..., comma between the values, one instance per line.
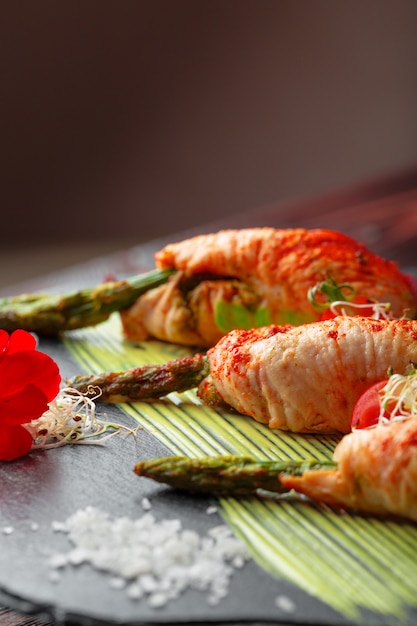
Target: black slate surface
x=51, y=485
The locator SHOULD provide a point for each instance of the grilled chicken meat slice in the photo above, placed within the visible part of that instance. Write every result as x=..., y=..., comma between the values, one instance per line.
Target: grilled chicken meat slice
x=307, y=378
x=376, y=472
x=255, y=277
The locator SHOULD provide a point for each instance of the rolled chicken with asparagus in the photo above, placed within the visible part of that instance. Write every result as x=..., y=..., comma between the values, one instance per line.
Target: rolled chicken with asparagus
x=205, y=286
x=374, y=471
x=256, y=277
x=304, y=379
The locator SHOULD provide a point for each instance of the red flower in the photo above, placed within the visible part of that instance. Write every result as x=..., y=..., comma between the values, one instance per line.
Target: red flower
x=29, y=380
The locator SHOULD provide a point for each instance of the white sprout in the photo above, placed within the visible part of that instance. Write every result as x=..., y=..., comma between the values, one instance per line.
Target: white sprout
x=398, y=398
x=381, y=310
x=71, y=418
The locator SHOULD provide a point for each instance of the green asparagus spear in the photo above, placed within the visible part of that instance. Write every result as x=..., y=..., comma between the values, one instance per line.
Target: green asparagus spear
x=226, y=475
x=51, y=314
x=144, y=383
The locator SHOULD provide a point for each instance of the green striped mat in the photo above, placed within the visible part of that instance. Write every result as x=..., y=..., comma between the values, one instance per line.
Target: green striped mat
x=347, y=561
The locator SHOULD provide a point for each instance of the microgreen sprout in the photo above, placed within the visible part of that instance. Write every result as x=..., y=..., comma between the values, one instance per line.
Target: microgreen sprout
x=329, y=297
x=71, y=418
x=381, y=310
x=327, y=291
x=399, y=397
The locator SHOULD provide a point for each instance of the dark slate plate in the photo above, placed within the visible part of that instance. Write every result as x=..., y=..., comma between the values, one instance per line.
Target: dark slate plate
x=52, y=485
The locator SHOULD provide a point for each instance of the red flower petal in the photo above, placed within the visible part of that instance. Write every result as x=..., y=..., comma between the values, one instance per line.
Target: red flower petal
x=29, y=366
x=23, y=407
x=29, y=380
x=4, y=338
x=15, y=441
x=21, y=340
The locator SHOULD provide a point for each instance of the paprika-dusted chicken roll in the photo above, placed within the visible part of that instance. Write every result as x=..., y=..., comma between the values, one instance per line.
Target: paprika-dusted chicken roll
x=299, y=378
x=307, y=378
x=376, y=472
x=255, y=277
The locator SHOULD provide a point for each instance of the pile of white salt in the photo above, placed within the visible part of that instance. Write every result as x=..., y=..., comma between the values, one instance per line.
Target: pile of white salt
x=155, y=560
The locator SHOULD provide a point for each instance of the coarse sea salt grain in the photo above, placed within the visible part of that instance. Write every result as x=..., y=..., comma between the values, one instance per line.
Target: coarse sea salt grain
x=156, y=560
x=146, y=504
x=285, y=604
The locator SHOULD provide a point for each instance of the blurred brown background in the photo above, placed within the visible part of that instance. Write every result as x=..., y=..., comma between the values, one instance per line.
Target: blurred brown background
x=127, y=120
